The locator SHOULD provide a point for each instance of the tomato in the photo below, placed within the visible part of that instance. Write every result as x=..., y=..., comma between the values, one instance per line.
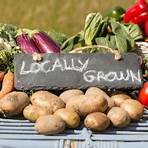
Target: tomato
x=143, y=94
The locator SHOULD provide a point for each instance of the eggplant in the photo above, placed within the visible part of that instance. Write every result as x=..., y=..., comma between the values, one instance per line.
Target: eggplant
x=45, y=43
x=26, y=44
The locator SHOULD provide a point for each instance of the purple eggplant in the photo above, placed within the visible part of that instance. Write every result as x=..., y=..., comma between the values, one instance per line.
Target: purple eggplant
x=44, y=43
x=26, y=44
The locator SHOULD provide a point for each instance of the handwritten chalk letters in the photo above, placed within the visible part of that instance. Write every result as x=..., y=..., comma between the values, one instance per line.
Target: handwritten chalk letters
x=77, y=71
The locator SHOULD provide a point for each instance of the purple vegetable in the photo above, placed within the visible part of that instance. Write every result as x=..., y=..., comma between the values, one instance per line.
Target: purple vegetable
x=44, y=43
x=26, y=44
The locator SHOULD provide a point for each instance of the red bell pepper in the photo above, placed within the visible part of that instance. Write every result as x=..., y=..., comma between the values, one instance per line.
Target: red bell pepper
x=146, y=28
x=140, y=19
x=140, y=7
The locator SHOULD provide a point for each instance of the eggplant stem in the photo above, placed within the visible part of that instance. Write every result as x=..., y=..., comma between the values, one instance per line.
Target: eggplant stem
x=81, y=49
x=36, y=57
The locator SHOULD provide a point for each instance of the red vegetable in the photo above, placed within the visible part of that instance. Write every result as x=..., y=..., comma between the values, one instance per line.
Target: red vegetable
x=146, y=28
x=143, y=94
x=44, y=43
x=140, y=7
x=140, y=19
x=26, y=44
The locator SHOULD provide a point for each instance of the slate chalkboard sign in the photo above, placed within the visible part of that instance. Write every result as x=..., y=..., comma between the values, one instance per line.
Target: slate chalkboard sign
x=66, y=71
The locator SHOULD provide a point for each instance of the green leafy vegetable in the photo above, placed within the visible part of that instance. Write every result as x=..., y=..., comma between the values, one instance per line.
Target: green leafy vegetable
x=69, y=44
x=8, y=47
x=134, y=31
x=58, y=37
x=107, y=32
x=6, y=59
x=92, y=27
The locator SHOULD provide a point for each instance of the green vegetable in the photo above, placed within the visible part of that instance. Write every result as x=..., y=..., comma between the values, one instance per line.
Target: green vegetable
x=58, y=37
x=8, y=46
x=134, y=31
x=104, y=31
x=8, y=33
x=116, y=13
x=6, y=59
x=93, y=25
x=70, y=43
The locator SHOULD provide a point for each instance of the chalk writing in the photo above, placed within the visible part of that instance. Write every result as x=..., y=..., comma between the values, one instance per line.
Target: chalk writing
x=63, y=65
x=128, y=75
x=68, y=71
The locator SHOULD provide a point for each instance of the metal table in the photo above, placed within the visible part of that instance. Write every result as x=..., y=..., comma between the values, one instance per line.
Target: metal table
x=16, y=133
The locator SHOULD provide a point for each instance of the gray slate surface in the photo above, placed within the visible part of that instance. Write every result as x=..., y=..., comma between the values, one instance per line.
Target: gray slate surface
x=67, y=71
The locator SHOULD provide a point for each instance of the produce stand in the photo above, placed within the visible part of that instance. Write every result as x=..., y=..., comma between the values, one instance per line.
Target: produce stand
x=86, y=91
x=16, y=133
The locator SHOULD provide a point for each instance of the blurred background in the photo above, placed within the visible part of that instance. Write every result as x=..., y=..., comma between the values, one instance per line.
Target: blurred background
x=65, y=16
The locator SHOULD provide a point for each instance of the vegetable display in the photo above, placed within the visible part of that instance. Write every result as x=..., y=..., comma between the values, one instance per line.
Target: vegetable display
x=51, y=116
x=93, y=108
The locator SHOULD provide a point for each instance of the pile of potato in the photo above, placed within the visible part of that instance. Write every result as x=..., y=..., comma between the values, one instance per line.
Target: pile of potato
x=53, y=114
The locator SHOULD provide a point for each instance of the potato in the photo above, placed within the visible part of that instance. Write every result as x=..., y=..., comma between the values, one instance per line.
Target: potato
x=69, y=94
x=70, y=117
x=134, y=108
x=13, y=103
x=120, y=98
x=47, y=100
x=49, y=125
x=98, y=91
x=118, y=117
x=32, y=112
x=97, y=121
x=86, y=104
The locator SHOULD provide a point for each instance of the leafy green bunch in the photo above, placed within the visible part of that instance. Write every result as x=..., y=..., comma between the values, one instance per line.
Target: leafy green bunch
x=105, y=32
x=8, y=46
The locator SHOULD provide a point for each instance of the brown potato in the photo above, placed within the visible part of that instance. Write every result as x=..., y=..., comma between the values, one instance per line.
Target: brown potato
x=13, y=103
x=47, y=100
x=98, y=91
x=32, y=112
x=120, y=98
x=69, y=94
x=134, y=108
x=86, y=104
x=70, y=117
x=49, y=125
x=97, y=121
x=118, y=117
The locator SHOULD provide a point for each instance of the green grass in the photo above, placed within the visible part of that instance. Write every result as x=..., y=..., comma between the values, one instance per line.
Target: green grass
x=62, y=15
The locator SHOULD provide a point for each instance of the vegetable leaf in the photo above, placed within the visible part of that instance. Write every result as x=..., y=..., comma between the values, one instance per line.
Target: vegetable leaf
x=121, y=44
x=92, y=26
x=134, y=31
x=70, y=43
x=58, y=37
